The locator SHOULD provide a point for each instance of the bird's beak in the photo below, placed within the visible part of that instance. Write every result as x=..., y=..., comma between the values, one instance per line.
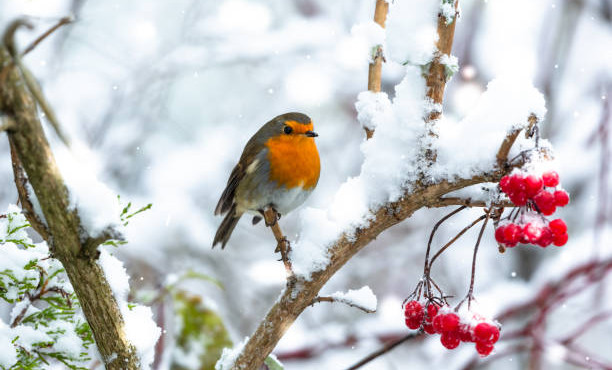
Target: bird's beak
x=311, y=134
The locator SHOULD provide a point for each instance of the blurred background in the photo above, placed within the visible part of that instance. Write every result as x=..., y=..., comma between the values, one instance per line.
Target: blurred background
x=160, y=97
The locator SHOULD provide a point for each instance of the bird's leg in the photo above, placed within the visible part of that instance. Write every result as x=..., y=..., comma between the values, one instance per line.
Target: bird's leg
x=283, y=246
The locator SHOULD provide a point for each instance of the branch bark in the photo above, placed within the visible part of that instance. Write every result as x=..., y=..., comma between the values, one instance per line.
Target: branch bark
x=346, y=302
x=436, y=77
x=31, y=148
x=375, y=68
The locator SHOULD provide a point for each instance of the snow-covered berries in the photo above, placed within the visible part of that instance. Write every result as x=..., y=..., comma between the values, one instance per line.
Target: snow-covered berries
x=532, y=194
x=453, y=327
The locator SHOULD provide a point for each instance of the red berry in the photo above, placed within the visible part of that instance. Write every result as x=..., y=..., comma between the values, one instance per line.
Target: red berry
x=532, y=232
x=516, y=184
x=512, y=233
x=450, y=339
x=545, y=201
x=546, y=238
x=414, y=309
x=561, y=198
x=483, y=349
x=550, y=178
x=524, y=239
x=450, y=322
x=428, y=328
x=486, y=333
x=560, y=239
x=558, y=226
x=503, y=184
x=437, y=324
x=519, y=198
x=465, y=333
x=533, y=184
x=413, y=323
x=499, y=234
x=548, y=211
x=432, y=311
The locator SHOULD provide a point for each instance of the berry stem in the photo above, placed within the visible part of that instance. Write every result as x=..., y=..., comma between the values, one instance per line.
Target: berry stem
x=465, y=229
x=426, y=268
x=470, y=294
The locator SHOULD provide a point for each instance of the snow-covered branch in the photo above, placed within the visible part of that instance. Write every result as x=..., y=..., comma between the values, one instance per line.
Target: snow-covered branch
x=362, y=299
x=58, y=222
x=408, y=165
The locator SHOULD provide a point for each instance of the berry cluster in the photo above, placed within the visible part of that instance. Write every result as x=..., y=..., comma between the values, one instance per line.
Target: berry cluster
x=536, y=196
x=452, y=327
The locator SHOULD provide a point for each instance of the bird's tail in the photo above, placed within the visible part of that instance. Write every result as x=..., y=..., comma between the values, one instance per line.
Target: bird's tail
x=227, y=226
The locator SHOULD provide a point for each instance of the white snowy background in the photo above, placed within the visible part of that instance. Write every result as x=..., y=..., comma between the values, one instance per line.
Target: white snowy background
x=159, y=99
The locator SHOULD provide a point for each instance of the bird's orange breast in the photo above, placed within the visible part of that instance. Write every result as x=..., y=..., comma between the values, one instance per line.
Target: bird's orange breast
x=294, y=161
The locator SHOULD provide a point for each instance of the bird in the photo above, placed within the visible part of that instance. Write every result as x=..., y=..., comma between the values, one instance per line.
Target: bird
x=279, y=168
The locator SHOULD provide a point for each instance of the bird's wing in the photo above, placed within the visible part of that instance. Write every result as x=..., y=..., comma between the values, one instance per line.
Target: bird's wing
x=248, y=161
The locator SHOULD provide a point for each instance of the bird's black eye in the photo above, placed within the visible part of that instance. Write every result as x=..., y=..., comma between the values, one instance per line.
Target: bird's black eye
x=288, y=130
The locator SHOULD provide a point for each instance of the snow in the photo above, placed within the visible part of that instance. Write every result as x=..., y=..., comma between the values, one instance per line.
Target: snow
x=140, y=328
x=229, y=356
x=390, y=167
x=97, y=205
x=28, y=336
x=363, y=297
x=361, y=47
x=372, y=108
x=506, y=105
x=8, y=352
x=309, y=84
x=451, y=64
x=69, y=342
x=412, y=31
x=447, y=9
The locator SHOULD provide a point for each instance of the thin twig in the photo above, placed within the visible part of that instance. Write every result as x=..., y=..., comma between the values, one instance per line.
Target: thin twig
x=29, y=79
x=457, y=201
x=455, y=239
x=504, y=149
x=340, y=300
x=386, y=348
x=433, y=231
x=283, y=245
x=39, y=39
x=375, y=68
x=582, y=329
x=470, y=294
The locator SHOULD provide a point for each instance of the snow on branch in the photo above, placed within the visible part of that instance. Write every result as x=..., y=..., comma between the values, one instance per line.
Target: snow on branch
x=413, y=159
x=363, y=299
x=45, y=196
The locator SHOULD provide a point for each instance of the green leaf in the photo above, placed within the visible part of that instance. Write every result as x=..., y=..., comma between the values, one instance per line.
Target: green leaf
x=201, y=330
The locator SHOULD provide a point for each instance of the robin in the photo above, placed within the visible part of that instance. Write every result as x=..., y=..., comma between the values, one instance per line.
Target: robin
x=279, y=168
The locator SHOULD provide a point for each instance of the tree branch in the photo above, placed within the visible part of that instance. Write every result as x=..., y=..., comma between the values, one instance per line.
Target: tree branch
x=271, y=218
x=457, y=201
x=375, y=68
x=29, y=79
x=504, y=149
x=35, y=157
x=295, y=298
x=339, y=300
x=386, y=348
x=436, y=76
